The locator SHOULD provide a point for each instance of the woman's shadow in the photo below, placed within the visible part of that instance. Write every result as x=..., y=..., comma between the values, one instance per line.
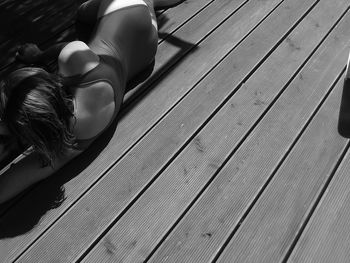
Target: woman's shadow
x=344, y=111
x=23, y=213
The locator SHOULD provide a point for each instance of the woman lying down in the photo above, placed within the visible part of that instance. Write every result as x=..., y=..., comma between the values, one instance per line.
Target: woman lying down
x=60, y=115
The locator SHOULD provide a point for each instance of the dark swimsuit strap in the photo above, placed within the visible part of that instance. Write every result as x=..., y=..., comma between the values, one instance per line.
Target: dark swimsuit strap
x=84, y=81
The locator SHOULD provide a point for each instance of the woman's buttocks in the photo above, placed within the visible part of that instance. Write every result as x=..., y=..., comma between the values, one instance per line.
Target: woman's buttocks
x=130, y=32
x=140, y=40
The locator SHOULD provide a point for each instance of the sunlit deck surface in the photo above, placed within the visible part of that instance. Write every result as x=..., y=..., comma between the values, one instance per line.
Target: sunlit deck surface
x=228, y=152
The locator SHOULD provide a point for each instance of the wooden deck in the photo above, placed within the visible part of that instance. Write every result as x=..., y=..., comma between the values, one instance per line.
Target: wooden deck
x=228, y=152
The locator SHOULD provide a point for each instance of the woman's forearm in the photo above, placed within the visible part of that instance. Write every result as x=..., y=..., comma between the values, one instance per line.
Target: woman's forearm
x=22, y=175
x=27, y=172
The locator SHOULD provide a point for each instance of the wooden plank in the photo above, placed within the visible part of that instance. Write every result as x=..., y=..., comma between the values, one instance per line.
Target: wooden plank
x=326, y=237
x=203, y=230
x=137, y=232
x=172, y=19
x=129, y=129
x=275, y=220
x=270, y=228
x=128, y=166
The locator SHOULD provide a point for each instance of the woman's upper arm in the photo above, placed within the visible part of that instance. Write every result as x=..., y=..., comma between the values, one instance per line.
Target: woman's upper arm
x=76, y=58
x=28, y=171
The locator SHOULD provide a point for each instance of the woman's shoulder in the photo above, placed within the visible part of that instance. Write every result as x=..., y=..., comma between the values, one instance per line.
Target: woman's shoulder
x=94, y=110
x=94, y=105
x=76, y=58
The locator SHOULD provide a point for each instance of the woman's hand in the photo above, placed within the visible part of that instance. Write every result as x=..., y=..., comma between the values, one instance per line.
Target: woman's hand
x=29, y=53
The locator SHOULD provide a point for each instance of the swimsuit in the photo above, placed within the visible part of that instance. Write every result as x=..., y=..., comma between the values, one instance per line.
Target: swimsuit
x=126, y=42
x=128, y=35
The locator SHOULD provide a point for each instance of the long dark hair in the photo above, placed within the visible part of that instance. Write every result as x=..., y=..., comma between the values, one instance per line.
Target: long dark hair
x=38, y=110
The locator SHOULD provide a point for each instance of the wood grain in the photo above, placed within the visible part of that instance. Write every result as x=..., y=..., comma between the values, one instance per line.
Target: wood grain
x=149, y=218
x=204, y=229
x=326, y=237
